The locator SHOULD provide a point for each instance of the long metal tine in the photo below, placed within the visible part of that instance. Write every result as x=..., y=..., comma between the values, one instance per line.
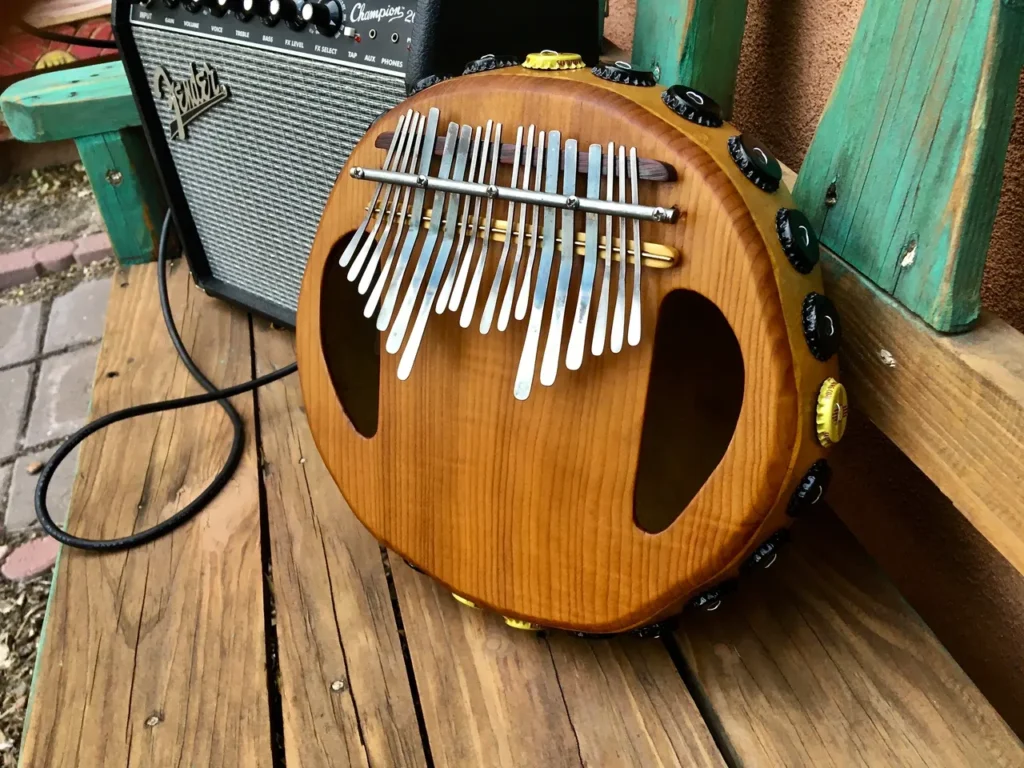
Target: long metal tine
x=467, y=259
x=469, y=305
x=369, y=242
x=619, y=319
x=553, y=350
x=382, y=242
x=426, y=156
x=578, y=337
x=492, y=297
x=350, y=249
x=528, y=362
x=451, y=224
x=522, y=303
x=510, y=289
x=601, y=323
x=449, y=281
x=634, y=310
x=397, y=335
x=382, y=279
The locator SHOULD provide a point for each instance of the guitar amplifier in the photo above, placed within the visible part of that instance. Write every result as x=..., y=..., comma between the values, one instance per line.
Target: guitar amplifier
x=251, y=107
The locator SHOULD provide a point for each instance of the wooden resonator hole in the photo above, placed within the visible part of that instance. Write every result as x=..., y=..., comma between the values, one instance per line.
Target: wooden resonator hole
x=351, y=345
x=693, y=404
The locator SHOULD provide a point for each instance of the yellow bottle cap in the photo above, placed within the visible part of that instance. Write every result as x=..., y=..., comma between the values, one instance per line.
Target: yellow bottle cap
x=554, y=60
x=526, y=626
x=464, y=601
x=833, y=410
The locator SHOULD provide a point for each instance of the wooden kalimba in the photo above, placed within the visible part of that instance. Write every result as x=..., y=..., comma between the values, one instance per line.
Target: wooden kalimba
x=607, y=378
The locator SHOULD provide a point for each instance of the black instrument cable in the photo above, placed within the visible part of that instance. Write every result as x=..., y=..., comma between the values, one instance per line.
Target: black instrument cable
x=59, y=37
x=214, y=396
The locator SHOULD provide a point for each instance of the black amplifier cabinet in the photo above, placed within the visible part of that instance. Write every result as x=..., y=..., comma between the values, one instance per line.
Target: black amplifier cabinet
x=251, y=108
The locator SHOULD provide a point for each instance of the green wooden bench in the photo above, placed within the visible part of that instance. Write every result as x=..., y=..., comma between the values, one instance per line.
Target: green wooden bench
x=94, y=106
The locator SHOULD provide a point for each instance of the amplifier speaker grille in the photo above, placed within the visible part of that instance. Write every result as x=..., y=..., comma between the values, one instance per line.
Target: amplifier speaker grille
x=257, y=169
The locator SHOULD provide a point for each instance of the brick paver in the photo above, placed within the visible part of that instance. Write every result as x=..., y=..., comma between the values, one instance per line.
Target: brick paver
x=14, y=385
x=21, y=503
x=17, y=268
x=19, y=327
x=62, y=395
x=55, y=257
x=30, y=559
x=78, y=316
x=93, y=248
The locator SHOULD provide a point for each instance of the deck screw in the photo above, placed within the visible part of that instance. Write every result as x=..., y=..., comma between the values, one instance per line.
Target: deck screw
x=115, y=177
x=338, y=685
x=153, y=720
x=832, y=195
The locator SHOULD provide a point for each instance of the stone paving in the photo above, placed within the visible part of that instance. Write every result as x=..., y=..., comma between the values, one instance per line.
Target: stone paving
x=48, y=357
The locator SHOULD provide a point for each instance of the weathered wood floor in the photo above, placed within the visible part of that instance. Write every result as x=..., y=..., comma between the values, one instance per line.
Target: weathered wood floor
x=273, y=630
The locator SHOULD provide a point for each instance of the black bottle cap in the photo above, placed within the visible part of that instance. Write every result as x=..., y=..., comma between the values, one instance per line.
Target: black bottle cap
x=427, y=82
x=712, y=599
x=488, y=63
x=811, y=489
x=756, y=162
x=690, y=104
x=798, y=239
x=622, y=72
x=764, y=556
x=821, y=326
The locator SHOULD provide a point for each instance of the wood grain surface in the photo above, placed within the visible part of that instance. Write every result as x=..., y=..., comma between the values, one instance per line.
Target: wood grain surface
x=156, y=656
x=953, y=404
x=496, y=696
x=335, y=624
x=818, y=661
x=50, y=13
x=507, y=501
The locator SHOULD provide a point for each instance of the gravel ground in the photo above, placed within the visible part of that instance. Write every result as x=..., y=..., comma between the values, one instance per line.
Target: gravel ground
x=22, y=608
x=46, y=206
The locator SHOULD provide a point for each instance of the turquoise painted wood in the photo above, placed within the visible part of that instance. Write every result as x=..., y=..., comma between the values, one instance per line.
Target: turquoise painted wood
x=70, y=103
x=128, y=192
x=696, y=42
x=912, y=146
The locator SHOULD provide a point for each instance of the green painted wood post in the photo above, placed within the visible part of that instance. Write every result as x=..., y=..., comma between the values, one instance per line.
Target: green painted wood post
x=696, y=42
x=128, y=191
x=904, y=174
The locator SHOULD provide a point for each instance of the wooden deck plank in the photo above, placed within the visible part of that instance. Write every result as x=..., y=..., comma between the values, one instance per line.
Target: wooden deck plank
x=819, y=662
x=335, y=621
x=494, y=696
x=130, y=636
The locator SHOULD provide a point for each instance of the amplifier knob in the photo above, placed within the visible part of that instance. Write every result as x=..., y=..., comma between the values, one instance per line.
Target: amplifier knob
x=218, y=7
x=289, y=11
x=326, y=15
x=193, y=6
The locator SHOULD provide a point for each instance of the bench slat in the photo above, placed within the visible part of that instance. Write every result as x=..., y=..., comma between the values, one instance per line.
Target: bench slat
x=171, y=633
x=818, y=661
x=334, y=615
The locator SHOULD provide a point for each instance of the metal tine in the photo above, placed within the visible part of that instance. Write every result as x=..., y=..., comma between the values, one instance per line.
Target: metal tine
x=426, y=156
x=492, y=297
x=601, y=323
x=370, y=241
x=451, y=224
x=467, y=259
x=469, y=306
x=578, y=337
x=524, y=293
x=553, y=350
x=633, y=336
x=449, y=281
x=528, y=362
x=350, y=249
x=353, y=273
x=619, y=318
x=520, y=235
x=397, y=335
x=382, y=279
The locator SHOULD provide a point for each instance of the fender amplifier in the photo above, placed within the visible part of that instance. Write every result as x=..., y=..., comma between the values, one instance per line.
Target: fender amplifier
x=251, y=108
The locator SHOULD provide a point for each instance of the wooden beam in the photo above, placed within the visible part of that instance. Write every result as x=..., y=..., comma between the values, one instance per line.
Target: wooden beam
x=953, y=404
x=911, y=149
x=696, y=42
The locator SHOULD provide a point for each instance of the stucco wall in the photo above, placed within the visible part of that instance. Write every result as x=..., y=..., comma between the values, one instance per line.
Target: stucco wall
x=968, y=594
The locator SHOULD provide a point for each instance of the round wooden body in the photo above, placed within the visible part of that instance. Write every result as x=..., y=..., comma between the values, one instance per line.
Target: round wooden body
x=531, y=508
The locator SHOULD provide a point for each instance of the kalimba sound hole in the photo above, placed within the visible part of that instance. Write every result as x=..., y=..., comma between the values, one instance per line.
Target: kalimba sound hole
x=693, y=403
x=351, y=345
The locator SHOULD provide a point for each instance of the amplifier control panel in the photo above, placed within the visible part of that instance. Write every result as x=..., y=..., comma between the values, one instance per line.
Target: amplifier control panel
x=372, y=35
